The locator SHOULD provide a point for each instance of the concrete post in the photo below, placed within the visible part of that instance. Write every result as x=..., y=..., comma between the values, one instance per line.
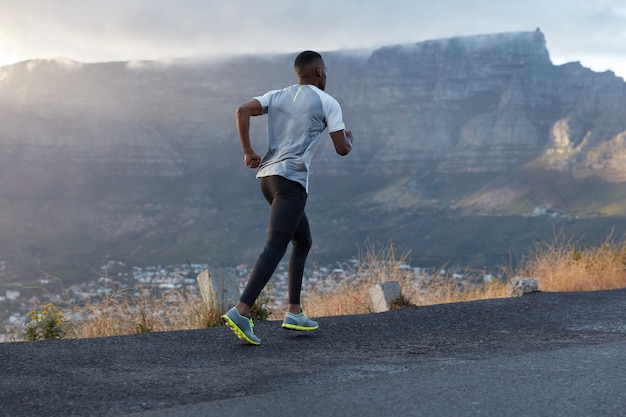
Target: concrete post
x=520, y=286
x=383, y=295
x=220, y=290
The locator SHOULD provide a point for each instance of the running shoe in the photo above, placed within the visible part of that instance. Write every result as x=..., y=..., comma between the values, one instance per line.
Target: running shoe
x=240, y=325
x=299, y=322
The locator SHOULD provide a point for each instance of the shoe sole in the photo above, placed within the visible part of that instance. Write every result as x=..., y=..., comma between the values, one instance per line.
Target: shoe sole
x=299, y=328
x=237, y=330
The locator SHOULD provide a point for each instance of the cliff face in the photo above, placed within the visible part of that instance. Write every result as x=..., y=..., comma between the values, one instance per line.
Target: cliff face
x=482, y=103
x=118, y=151
x=488, y=103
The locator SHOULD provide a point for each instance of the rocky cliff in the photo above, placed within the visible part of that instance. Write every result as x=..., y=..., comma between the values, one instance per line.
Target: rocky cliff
x=141, y=159
x=489, y=103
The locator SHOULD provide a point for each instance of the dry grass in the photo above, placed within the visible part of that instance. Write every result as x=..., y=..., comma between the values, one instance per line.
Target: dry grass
x=351, y=296
x=140, y=311
x=446, y=291
x=564, y=265
x=557, y=266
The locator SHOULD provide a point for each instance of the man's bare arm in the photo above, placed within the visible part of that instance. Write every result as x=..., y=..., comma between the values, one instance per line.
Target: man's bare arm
x=243, y=114
x=342, y=139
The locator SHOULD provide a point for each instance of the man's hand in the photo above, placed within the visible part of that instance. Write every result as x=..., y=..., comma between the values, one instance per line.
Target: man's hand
x=251, y=159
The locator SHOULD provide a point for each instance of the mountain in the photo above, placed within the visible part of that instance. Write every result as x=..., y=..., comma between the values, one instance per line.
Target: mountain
x=467, y=151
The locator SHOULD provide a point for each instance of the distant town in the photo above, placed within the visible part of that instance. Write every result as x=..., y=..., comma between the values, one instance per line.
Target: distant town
x=15, y=304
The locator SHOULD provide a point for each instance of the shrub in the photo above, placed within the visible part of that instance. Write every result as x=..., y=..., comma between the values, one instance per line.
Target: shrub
x=48, y=323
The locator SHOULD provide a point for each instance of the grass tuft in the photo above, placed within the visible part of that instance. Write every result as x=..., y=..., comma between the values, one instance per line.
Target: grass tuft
x=351, y=296
x=565, y=265
x=140, y=310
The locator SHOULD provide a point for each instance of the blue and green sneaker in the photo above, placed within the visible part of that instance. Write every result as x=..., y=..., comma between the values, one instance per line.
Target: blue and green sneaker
x=299, y=322
x=240, y=325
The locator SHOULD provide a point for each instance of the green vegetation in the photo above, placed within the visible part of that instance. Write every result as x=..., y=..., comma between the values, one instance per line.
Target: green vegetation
x=47, y=323
x=476, y=219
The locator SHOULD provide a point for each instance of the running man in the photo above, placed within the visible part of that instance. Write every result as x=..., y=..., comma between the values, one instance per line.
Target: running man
x=297, y=116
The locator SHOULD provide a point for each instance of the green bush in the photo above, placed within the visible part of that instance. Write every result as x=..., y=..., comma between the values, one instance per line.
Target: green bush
x=45, y=324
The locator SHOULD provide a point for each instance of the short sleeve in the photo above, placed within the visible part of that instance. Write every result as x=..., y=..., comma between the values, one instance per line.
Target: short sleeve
x=265, y=99
x=334, y=116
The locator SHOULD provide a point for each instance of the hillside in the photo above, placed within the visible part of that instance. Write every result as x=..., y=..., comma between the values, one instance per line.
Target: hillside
x=458, y=143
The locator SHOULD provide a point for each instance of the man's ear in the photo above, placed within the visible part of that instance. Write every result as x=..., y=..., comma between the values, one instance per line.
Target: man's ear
x=318, y=70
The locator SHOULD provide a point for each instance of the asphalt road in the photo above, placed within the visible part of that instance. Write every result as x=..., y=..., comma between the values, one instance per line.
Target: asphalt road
x=544, y=354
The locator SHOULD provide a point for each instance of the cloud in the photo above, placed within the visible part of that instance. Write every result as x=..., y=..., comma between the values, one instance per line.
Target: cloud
x=90, y=30
x=60, y=61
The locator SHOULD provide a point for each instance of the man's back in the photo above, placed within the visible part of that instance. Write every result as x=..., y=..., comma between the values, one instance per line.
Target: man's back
x=297, y=115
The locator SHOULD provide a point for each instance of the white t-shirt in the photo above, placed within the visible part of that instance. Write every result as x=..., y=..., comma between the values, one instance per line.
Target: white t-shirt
x=297, y=115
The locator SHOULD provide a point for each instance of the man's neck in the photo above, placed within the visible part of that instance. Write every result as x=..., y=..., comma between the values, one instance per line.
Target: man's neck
x=307, y=81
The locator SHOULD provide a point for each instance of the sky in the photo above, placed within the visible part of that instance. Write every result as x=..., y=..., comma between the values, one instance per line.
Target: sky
x=592, y=32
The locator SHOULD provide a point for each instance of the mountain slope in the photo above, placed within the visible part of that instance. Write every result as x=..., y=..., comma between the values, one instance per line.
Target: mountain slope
x=458, y=142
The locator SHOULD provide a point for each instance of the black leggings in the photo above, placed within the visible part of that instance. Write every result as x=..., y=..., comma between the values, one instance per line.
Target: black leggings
x=287, y=223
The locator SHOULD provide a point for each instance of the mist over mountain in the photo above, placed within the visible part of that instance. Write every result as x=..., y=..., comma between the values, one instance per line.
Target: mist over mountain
x=467, y=150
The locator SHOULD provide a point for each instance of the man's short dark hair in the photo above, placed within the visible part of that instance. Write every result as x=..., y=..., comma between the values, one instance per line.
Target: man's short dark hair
x=305, y=58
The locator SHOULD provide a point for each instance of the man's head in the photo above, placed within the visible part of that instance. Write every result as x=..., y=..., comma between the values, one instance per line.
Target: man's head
x=310, y=69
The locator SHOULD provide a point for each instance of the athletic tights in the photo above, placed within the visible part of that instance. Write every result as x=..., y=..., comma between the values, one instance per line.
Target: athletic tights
x=287, y=223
